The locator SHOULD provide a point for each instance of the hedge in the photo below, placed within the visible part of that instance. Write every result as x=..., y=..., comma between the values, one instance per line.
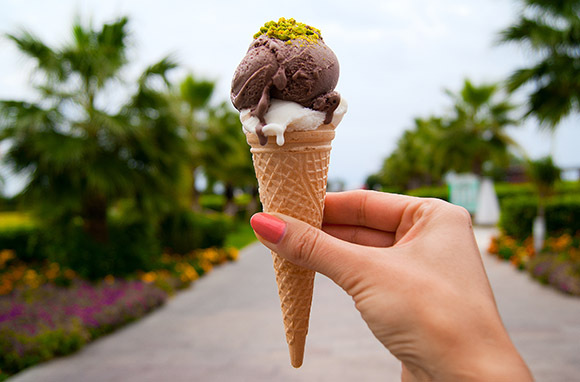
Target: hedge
x=25, y=240
x=132, y=245
x=504, y=191
x=518, y=214
x=184, y=231
x=439, y=192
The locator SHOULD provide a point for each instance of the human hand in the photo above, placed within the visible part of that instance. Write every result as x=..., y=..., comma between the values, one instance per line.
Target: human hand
x=413, y=269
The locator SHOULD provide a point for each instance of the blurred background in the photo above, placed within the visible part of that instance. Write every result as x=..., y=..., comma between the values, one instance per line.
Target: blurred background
x=122, y=159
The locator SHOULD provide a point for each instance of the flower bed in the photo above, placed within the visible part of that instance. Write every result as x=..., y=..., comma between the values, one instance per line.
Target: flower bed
x=48, y=311
x=558, y=264
x=39, y=324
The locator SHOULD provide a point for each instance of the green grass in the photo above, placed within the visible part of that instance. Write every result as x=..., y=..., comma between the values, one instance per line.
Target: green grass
x=241, y=237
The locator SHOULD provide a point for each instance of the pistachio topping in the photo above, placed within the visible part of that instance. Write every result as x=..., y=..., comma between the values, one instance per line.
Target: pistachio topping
x=287, y=30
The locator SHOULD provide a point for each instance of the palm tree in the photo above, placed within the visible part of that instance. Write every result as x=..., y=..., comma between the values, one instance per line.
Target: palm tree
x=475, y=135
x=226, y=155
x=81, y=153
x=469, y=139
x=544, y=174
x=412, y=163
x=551, y=30
x=190, y=106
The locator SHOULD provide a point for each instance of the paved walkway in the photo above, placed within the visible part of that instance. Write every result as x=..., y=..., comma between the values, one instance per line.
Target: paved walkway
x=228, y=327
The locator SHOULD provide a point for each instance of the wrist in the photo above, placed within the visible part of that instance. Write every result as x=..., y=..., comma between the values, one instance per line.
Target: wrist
x=499, y=362
x=503, y=364
x=493, y=358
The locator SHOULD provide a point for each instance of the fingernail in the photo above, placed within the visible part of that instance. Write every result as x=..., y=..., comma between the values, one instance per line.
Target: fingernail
x=269, y=227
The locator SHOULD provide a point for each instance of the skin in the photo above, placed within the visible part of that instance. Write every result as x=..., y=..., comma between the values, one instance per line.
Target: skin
x=413, y=269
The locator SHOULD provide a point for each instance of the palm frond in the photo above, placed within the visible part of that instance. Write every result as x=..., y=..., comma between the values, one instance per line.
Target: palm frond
x=47, y=60
x=158, y=70
x=536, y=33
x=196, y=93
x=568, y=9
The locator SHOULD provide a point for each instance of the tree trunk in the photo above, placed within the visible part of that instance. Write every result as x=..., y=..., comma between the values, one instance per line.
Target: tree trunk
x=194, y=194
x=254, y=204
x=230, y=208
x=95, y=218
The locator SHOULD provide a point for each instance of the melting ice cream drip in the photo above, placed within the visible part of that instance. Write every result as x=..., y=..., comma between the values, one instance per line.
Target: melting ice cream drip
x=285, y=116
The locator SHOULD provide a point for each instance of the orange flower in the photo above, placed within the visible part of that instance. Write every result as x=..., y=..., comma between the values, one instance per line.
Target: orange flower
x=109, y=279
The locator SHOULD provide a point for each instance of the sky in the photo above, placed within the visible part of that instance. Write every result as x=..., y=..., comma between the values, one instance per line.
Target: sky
x=397, y=58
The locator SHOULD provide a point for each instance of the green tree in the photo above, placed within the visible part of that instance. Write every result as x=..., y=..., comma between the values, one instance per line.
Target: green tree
x=470, y=139
x=544, y=174
x=81, y=152
x=551, y=30
x=475, y=135
x=190, y=106
x=412, y=163
x=226, y=155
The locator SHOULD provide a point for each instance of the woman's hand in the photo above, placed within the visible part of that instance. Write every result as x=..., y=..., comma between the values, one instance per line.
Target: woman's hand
x=413, y=269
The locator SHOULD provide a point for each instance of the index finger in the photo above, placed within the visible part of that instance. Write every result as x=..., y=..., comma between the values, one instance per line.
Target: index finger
x=372, y=209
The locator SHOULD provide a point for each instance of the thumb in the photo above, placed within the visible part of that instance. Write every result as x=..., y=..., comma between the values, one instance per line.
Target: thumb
x=309, y=247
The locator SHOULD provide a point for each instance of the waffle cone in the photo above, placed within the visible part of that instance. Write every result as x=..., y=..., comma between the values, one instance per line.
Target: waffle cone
x=292, y=181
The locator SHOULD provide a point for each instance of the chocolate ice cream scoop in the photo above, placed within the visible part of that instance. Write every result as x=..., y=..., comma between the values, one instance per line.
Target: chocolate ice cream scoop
x=287, y=61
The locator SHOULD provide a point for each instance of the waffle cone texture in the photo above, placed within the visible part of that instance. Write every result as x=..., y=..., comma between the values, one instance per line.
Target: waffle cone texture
x=292, y=181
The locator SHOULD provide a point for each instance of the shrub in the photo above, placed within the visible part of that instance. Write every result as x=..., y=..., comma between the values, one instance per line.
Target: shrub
x=504, y=191
x=131, y=247
x=184, y=231
x=25, y=241
x=518, y=214
x=440, y=192
x=212, y=202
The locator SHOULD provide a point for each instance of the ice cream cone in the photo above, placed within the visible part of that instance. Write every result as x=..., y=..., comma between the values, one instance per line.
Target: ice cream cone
x=292, y=181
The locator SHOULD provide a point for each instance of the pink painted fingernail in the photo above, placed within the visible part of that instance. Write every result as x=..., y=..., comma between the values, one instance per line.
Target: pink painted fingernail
x=269, y=227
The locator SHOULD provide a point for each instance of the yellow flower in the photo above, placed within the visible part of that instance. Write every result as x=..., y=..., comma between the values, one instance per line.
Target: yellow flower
x=5, y=256
x=52, y=271
x=6, y=286
x=69, y=274
x=562, y=243
x=205, y=265
x=233, y=253
x=149, y=277
x=32, y=279
x=211, y=254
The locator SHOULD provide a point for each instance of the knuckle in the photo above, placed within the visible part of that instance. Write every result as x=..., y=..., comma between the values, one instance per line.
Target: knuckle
x=457, y=213
x=305, y=245
x=461, y=214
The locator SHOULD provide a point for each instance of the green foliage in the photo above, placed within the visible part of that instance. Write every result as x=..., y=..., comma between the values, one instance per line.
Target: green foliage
x=241, y=236
x=212, y=202
x=518, y=214
x=227, y=158
x=7, y=203
x=550, y=29
x=510, y=190
x=131, y=246
x=25, y=241
x=471, y=139
x=544, y=174
x=82, y=162
x=196, y=93
x=440, y=192
x=184, y=231
x=504, y=191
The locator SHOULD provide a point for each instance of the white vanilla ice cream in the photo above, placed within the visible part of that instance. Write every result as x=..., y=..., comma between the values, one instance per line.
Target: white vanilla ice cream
x=285, y=116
